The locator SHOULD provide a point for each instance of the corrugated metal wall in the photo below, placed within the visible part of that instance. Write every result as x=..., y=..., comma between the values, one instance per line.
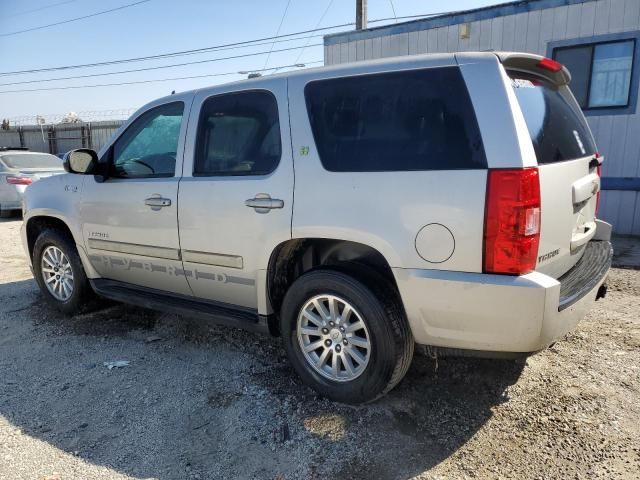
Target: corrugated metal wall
x=62, y=137
x=9, y=138
x=101, y=132
x=618, y=136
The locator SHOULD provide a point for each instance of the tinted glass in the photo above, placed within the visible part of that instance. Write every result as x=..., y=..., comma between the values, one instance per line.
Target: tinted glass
x=556, y=124
x=578, y=61
x=238, y=134
x=148, y=147
x=611, y=76
x=413, y=120
x=31, y=160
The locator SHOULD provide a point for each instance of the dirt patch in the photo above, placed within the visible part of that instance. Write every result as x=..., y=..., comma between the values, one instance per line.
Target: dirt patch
x=198, y=401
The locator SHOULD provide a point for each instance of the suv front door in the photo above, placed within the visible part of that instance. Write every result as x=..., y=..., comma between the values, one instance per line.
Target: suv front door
x=236, y=193
x=129, y=221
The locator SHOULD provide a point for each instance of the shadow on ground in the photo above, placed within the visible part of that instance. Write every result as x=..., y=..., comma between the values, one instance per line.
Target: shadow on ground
x=199, y=401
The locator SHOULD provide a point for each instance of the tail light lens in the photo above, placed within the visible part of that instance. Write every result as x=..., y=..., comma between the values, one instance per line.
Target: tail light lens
x=512, y=221
x=15, y=180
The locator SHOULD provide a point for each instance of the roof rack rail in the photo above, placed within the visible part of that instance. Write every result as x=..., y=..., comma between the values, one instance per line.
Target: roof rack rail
x=6, y=149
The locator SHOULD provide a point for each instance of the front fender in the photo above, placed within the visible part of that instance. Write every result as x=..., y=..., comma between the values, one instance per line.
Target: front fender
x=58, y=197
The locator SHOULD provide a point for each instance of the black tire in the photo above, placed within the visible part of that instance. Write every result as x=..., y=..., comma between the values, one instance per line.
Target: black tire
x=81, y=292
x=379, y=306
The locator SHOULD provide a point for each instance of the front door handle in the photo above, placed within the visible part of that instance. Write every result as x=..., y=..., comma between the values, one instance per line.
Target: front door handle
x=263, y=203
x=158, y=202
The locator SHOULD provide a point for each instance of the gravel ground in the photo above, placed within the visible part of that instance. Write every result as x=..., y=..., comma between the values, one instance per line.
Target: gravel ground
x=198, y=401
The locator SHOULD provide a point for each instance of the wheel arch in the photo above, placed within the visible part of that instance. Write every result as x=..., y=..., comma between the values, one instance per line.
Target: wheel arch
x=292, y=258
x=37, y=222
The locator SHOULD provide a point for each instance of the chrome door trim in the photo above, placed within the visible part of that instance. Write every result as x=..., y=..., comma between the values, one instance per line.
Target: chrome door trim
x=207, y=258
x=135, y=249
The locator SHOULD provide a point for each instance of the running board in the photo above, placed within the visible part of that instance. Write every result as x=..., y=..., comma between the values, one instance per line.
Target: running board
x=217, y=312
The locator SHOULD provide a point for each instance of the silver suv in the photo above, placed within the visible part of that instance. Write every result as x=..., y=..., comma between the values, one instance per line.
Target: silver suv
x=447, y=201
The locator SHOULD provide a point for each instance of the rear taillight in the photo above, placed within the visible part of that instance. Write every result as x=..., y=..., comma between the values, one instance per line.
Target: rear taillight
x=15, y=180
x=512, y=221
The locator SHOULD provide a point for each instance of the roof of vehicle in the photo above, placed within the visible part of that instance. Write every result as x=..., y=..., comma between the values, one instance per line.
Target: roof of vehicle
x=13, y=149
x=404, y=61
x=23, y=151
x=338, y=68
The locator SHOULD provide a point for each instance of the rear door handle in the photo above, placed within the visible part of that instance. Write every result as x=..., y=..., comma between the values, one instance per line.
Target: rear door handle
x=158, y=202
x=579, y=239
x=263, y=203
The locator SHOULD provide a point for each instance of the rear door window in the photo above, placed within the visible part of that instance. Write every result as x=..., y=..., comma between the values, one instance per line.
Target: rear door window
x=401, y=121
x=556, y=125
x=238, y=134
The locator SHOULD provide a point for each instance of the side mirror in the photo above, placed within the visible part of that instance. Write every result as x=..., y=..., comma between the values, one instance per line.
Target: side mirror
x=83, y=161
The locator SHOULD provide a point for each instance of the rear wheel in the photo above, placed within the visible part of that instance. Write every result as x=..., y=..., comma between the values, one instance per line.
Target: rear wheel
x=347, y=339
x=59, y=271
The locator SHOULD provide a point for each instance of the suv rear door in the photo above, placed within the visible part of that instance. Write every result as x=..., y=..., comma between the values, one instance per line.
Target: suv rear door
x=568, y=164
x=236, y=193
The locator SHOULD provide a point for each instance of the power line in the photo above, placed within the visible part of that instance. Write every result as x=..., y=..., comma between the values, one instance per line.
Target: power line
x=284, y=14
x=39, y=9
x=74, y=19
x=184, y=64
x=317, y=25
x=159, y=67
x=156, y=80
x=173, y=54
x=204, y=49
x=393, y=8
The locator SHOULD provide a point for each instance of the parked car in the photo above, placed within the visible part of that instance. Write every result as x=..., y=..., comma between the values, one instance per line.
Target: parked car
x=19, y=168
x=447, y=201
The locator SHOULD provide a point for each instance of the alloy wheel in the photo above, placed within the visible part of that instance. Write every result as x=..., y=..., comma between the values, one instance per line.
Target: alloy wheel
x=333, y=338
x=57, y=273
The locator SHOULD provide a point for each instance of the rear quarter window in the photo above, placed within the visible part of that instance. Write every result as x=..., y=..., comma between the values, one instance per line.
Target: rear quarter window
x=401, y=121
x=556, y=125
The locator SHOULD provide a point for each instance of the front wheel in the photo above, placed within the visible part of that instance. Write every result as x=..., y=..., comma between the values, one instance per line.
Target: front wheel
x=59, y=271
x=347, y=339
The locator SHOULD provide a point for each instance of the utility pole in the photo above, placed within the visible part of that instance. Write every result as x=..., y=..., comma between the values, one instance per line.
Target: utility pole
x=361, y=14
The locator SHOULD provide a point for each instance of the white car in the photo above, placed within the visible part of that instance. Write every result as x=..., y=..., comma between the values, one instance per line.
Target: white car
x=447, y=201
x=19, y=168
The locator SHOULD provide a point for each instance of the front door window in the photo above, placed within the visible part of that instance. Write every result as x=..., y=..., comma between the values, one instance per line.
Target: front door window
x=148, y=147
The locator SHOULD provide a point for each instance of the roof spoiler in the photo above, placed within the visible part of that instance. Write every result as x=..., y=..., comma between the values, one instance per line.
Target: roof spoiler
x=537, y=65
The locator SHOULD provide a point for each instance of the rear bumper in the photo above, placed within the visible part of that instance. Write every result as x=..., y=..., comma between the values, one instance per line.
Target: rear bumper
x=11, y=197
x=501, y=313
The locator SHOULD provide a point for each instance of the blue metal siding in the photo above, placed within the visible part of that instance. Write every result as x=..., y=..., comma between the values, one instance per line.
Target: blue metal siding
x=502, y=10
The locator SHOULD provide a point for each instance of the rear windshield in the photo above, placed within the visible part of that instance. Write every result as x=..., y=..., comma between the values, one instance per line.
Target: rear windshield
x=31, y=160
x=400, y=121
x=556, y=125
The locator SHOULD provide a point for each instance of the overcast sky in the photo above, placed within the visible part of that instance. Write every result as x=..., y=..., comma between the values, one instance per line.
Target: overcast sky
x=159, y=26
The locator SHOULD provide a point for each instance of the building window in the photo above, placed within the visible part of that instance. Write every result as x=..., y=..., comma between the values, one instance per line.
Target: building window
x=600, y=72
